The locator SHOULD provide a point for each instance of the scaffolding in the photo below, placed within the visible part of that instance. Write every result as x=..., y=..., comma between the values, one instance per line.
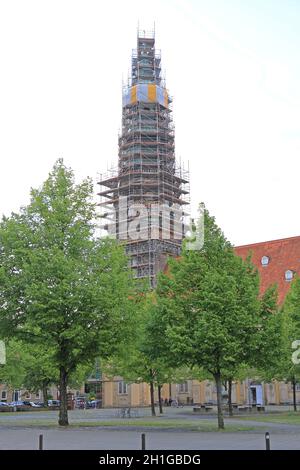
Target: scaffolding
x=155, y=188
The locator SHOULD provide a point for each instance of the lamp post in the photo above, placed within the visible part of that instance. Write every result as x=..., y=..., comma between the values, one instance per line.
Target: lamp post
x=2, y=355
x=249, y=392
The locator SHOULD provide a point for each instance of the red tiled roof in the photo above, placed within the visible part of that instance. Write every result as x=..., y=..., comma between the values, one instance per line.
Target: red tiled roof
x=283, y=255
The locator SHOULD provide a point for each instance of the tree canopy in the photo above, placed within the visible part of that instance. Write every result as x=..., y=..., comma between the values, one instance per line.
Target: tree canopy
x=209, y=304
x=61, y=287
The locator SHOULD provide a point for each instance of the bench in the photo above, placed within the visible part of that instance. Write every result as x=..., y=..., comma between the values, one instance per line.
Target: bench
x=209, y=408
x=198, y=409
x=260, y=408
x=244, y=408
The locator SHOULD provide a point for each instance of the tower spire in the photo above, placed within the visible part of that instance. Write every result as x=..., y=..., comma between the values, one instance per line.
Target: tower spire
x=147, y=180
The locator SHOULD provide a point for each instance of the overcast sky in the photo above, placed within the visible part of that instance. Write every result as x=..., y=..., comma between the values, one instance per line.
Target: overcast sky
x=232, y=67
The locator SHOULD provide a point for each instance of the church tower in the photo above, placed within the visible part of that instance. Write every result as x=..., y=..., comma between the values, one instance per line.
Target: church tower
x=144, y=199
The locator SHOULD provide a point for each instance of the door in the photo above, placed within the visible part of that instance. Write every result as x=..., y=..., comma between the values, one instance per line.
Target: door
x=259, y=395
x=16, y=395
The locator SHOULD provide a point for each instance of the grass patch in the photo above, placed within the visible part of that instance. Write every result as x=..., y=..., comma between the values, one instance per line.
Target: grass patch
x=290, y=417
x=28, y=422
x=174, y=425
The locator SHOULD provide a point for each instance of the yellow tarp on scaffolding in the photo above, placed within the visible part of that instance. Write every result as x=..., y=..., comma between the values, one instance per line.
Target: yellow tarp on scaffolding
x=133, y=94
x=152, y=93
x=146, y=93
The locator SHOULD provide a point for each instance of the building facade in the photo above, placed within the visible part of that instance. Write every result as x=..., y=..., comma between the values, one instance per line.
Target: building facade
x=277, y=261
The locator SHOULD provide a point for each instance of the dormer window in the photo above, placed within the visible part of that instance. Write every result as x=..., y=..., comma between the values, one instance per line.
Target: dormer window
x=289, y=275
x=265, y=260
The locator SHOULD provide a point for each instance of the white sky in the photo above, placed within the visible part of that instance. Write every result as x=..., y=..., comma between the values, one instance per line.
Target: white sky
x=233, y=68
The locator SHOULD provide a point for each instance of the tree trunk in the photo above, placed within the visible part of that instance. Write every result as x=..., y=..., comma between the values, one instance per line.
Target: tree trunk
x=159, y=399
x=230, y=397
x=217, y=378
x=152, y=399
x=45, y=395
x=63, y=409
x=294, y=394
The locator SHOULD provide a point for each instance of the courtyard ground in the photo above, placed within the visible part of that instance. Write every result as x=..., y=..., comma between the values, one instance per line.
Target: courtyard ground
x=177, y=428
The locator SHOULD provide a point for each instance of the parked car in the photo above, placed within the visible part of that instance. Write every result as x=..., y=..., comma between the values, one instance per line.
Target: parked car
x=20, y=405
x=80, y=402
x=94, y=404
x=4, y=406
x=38, y=404
x=54, y=403
x=35, y=405
x=26, y=403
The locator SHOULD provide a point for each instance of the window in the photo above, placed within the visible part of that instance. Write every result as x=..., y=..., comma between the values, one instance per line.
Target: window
x=265, y=260
x=37, y=395
x=4, y=394
x=289, y=275
x=297, y=387
x=122, y=388
x=183, y=388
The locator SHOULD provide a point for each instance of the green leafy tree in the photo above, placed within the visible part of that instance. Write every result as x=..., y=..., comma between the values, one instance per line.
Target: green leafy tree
x=267, y=342
x=28, y=366
x=40, y=370
x=289, y=366
x=13, y=372
x=132, y=362
x=32, y=367
x=154, y=348
x=265, y=352
x=209, y=302
x=237, y=372
x=60, y=286
x=143, y=359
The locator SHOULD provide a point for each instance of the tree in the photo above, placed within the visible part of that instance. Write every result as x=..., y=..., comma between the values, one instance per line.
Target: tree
x=209, y=303
x=39, y=370
x=13, y=371
x=28, y=366
x=61, y=287
x=144, y=359
x=289, y=367
x=263, y=355
x=33, y=367
x=236, y=372
x=154, y=348
x=267, y=342
x=134, y=367
x=132, y=362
